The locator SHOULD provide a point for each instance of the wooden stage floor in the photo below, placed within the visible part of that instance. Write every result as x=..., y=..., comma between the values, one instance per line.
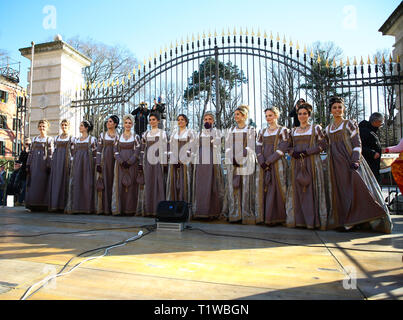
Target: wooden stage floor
x=193, y=265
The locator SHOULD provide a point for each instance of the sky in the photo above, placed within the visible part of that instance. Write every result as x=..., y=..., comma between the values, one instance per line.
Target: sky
x=145, y=26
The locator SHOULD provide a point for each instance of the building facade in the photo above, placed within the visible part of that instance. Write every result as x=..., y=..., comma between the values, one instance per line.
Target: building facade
x=12, y=105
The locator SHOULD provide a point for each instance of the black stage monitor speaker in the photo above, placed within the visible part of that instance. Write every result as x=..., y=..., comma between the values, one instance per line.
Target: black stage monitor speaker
x=172, y=211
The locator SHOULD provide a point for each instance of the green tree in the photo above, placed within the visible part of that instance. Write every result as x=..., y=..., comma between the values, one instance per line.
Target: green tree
x=201, y=90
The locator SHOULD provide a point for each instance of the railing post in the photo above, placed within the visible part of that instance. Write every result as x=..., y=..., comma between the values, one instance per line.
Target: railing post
x=217, y=86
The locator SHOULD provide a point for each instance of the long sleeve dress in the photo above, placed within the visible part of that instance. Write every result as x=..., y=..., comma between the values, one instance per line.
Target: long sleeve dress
x=355, y=196
x=208, y=181
x=270, y=149
x=81, y=198
x=397, y=165
x=179, y=181
x=125, y=187
x=39, y=162
x=105, y=159
x=306, y=204
x=242, y=199
x=60, y=173
x=153, y=157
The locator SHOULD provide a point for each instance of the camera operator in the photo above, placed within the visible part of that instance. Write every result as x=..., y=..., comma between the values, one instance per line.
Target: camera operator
x=159, y=107
x=141, y=118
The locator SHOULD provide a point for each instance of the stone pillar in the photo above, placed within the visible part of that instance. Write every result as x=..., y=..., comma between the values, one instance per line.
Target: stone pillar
x=394, y=27
x=57, y=72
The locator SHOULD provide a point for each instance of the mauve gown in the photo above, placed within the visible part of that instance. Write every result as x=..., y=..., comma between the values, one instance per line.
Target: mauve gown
x=59, y=175
x=242, y=181
x=208, y=178
x=82, y=177
x=106, y=159
x=39, y=160
x=306, y=204
x=355, y=194
x=179, y=182
x=154, y=189
x=125, y=187
x=270, y=149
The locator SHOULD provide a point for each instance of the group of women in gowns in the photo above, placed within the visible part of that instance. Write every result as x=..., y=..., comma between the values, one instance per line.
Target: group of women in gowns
x=130, y=175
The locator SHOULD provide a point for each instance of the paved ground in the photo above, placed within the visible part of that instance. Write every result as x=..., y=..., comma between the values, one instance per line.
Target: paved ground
x=298, y=264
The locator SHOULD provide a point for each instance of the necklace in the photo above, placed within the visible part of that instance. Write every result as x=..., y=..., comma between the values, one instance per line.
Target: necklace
x=305, y=127
x=336, y=125
x=271, y=129
x=127, y=136
x=63, y=136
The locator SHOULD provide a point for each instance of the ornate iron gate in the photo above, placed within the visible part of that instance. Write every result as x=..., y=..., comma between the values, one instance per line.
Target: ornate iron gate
x=218, y=73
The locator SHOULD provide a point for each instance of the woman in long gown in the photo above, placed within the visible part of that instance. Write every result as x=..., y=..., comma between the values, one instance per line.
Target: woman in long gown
x=38, y=169
x=306, y=201
x=81, y=198
x=397, y=165
x=125, y=187
x=208, y=183
x=60, y=169
x=179, y=182
x=153, y=158
x=242, y=200
x=355, y=196
x=105, y=166
x=271, y=146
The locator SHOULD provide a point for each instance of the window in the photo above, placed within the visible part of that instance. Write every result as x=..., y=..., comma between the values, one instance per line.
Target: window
x=3, y=96
x=3, y=121
x=2, y=148
x=16, y=124
x=20, y=102
x=18, y=151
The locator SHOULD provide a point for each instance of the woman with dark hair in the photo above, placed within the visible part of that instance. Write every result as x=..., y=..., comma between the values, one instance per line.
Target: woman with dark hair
x=271, y=146
x=242, y=201
x=125, y=186
x=306, y=198
x=208, y=183
x=153, y=157
x=39, y=168
x=81, y=198
x=60, y=172
x=105, y=166
x=179, y=184
x=355, y=196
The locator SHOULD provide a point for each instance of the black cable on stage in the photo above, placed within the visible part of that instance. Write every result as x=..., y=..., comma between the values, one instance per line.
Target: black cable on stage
x=73, y=232
x=288, y=243
x=150, y=229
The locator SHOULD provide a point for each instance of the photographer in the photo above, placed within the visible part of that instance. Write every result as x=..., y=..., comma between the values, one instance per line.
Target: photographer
x=140, y=117
x=159, y=108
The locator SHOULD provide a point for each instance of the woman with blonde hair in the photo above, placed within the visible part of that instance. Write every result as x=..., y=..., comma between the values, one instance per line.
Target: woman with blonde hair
x=125, y=186
x=242, y=200
x=61, y=164
x=39, y=168
x=272, y=144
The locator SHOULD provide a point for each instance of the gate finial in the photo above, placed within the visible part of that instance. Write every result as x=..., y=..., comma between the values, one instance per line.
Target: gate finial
x=369, y=60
